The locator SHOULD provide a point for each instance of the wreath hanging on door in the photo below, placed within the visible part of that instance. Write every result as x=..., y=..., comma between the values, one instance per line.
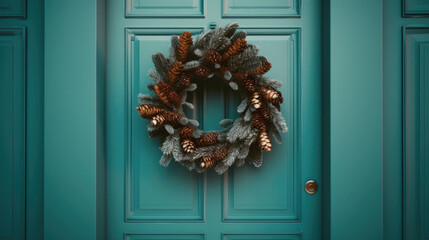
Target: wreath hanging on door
x=219, y=54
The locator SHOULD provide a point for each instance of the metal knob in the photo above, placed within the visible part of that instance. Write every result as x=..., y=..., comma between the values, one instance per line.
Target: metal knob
x=311, y=187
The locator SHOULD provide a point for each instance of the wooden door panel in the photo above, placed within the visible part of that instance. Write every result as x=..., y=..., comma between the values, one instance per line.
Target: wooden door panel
x=416, y=133
x=154, y=193
x=247, y=190
x=148, y=201
x=12, y=137
x=164, y=8
x=257, y=8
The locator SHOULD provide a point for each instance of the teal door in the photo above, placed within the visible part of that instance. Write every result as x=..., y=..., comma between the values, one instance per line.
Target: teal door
x=148, y=201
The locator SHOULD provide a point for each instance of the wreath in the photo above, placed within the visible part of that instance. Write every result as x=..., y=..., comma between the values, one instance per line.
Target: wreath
x=219, y=54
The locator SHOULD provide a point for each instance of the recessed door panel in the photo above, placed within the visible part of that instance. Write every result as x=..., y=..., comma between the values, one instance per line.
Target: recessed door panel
x=152, y=193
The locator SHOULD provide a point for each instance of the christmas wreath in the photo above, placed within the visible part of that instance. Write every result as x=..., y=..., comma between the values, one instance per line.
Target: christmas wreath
x=219, y=54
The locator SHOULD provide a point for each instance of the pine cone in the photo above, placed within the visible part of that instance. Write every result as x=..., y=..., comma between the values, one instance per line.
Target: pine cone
x=272, y=96
x=184, y=80
x=146, y=110
x=264, y=141
x=172, y=118
x=188, y=146
x=217, y=155
x=255, y=100
x=158, y=120
x=249, y=84
x=258, y=122
x=264, y=68
x=265, y=112
x=167, y=95
x=174, y=71
x=207, y=140
x=206, y=162
x=236, y=47
x=202, y=71
x=240, y=76
x=220, y=153
x=224, y=69
x=186, y=132
x=185, y=43
x=213, y=57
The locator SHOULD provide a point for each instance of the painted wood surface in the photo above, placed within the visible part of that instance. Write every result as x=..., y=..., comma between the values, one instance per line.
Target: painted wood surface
x=400, y=220
x=148, y=201
x=21, y=122
x=356, y=193
x=416, y=133
x=12, y=138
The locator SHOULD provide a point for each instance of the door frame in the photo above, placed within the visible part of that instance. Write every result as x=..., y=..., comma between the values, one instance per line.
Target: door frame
x=75, y=129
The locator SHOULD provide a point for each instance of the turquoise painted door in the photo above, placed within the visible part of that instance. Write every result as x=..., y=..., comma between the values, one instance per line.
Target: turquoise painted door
x=148, y=201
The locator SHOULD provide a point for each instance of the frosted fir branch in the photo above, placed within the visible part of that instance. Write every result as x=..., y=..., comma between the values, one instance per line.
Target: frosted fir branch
x=161, y=64
x=275, y=134
x=155, y=76
x=268, y=82
x=225, y=44
x=248, y=115
x=238, y=131
x=255, y=155
x=277, y=119
x=169, y=128
x=225, y=122
x=184, y=95
x=230, y=29
x=241, y=34
x=147, y=99
x=199, y=52
x=243, y=105
x=227, y=75
x=168, y=144
x=248, y=54
x=191, y=65
x=173, y=49
x=191, y=88
x=193, y=123
x=233, y=86
x=188, y=105
x=165, y=159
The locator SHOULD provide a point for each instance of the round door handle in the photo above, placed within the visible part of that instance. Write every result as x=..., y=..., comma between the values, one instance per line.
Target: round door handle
x=311, y=187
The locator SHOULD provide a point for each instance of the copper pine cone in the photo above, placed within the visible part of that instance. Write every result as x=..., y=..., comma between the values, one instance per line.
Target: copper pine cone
x=172, y=118
x=258, y=122
x=188, y=146
x=223, y=69
x=249, y=84
x=213, y=57
x=202, y=71
x=186, y=132
x=147, y=110
x=264, y=68
x=240, y=76
x=272, y=96
x=217, y=155
x=184, y=80
x=185, y=43
x=157, y=120
x=255, y=100
x=220, y=153
x=207, y=140
x=236, y=47
x=265, y=113
x=167, y=95
x=264, y=141
x=174, y=71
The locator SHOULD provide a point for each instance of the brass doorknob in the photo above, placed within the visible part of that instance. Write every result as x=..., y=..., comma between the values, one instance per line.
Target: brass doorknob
x=311, y=187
